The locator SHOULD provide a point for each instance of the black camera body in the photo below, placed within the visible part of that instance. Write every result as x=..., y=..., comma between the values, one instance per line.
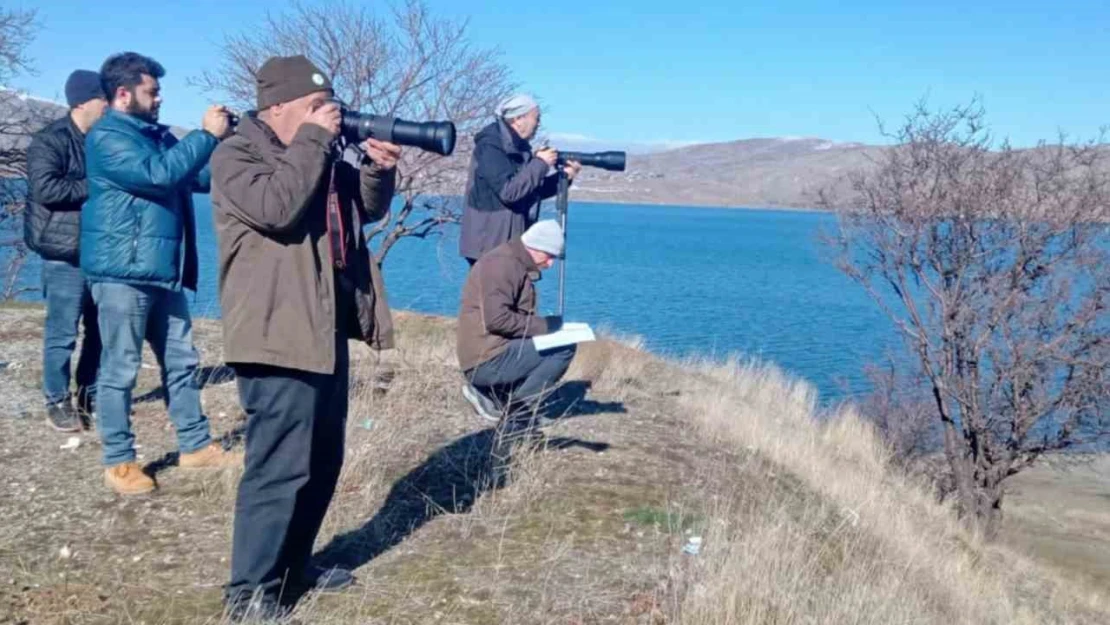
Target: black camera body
x=611, y=161
x=356, y=127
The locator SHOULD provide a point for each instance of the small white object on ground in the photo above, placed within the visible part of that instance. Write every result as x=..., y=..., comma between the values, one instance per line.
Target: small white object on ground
x=72, y=443
x=693, y=546
x=64, y=553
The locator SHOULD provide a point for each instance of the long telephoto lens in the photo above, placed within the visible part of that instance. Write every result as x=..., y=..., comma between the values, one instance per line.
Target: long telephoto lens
x=437, y=137
x=612, y=161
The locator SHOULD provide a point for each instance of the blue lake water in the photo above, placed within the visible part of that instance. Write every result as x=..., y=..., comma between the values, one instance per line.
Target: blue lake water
x=689, y=281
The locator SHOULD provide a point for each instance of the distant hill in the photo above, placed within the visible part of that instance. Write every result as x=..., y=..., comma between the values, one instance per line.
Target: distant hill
x=784, y=172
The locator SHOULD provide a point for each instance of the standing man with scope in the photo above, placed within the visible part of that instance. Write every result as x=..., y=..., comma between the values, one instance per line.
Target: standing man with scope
x=507, y=181
x=291, y=191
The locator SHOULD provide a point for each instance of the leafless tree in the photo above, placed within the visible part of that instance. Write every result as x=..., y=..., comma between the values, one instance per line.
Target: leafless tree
x=18, y=120
x=900, y=412
x=992, y=263
x=406, y=63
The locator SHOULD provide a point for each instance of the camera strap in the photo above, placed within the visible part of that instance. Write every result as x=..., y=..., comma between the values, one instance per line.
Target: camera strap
x=337, y=236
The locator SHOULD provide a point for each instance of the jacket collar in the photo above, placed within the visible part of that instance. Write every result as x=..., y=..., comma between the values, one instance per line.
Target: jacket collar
x=260, y=134
x=140, y=125
x=521, y=254
x=73, y=126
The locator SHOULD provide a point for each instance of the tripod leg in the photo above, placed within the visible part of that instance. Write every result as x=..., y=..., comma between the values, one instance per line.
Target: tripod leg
x=561, y=206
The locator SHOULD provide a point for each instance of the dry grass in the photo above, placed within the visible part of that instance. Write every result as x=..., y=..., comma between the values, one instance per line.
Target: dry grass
x=803, y=519
x=847, y=540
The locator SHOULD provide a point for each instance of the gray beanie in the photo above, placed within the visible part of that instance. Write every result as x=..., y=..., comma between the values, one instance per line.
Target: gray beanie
x=515, y=106
x=545, y=236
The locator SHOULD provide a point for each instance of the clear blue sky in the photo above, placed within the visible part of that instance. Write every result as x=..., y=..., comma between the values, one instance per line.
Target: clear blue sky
x=652, y=71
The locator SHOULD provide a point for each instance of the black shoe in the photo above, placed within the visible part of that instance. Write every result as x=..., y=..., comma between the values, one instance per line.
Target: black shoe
x=322, y=579
x=482, y=405
x=261, y=609
x=62, y=417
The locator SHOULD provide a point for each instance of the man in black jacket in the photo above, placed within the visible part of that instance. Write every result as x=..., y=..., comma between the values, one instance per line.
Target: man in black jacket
x=507, y=181
x=52, y=227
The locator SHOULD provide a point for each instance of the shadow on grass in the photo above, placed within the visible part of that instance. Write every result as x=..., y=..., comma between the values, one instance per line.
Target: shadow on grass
x=450, y=481
x=228, y=440
x=569, y=401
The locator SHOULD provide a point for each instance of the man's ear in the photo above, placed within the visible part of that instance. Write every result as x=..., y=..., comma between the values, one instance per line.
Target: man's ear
x=277, y=110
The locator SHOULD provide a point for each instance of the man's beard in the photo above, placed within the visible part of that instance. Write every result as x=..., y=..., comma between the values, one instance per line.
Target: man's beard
x=147, y=114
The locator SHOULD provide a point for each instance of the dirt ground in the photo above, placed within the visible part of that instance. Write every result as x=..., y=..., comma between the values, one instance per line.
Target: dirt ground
x=591, y=530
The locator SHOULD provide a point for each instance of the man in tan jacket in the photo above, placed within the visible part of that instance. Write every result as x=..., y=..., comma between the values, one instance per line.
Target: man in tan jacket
x=508, y=379
x=296, y=281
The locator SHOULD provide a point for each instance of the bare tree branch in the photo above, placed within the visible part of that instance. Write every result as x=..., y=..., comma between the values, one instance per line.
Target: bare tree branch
x=20, y=117
x=405, y=63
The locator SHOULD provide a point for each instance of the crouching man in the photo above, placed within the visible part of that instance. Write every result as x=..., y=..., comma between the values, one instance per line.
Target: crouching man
x=296, y=281
x=508, y=379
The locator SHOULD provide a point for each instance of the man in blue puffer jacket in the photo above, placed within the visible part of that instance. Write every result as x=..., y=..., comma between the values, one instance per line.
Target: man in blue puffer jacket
x=138, y=250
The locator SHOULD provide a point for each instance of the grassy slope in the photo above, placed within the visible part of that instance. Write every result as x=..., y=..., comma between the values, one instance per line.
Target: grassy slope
x=802, y=522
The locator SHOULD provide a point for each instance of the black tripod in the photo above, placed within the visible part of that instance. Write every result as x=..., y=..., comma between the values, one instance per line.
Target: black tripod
x=561, y=207
x=611, y=161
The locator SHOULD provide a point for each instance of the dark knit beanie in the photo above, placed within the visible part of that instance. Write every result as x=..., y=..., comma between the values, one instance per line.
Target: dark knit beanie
x=286, y=78
x=81, y=86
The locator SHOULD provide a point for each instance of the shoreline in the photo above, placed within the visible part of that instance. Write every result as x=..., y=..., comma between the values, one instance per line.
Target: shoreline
x=776, y=209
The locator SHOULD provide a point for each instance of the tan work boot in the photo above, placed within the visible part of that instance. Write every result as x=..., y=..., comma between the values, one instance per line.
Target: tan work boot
x=211, y=457
x=128, y=479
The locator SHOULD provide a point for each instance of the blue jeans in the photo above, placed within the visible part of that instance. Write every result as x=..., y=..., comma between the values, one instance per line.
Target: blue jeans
x=68, y=301
x=127, y=314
